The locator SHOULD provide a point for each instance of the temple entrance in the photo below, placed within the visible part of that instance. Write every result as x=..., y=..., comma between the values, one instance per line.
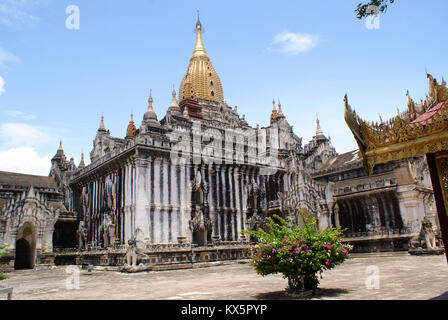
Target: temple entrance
x=200, y=237
x=25, y=247
x=23, y=259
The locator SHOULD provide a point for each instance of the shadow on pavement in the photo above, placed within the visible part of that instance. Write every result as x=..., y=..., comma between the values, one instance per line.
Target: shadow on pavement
x=322, y=293
x=443, y=296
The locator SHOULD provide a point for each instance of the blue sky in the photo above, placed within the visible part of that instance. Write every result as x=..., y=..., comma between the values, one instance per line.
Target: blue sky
x=55, y=83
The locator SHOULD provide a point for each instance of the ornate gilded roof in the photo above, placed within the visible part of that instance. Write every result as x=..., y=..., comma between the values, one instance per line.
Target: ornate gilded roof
x=130, y=131
x=422, y=129
x=201, y=79
x=274, y=113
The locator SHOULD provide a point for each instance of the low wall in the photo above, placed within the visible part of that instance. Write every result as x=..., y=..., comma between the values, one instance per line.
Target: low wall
x=158, y=258
x=380, y=243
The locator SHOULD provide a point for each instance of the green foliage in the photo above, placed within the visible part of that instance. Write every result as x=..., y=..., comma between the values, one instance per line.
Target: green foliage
x=2, y=252
x=299, y=253
x=362, y=11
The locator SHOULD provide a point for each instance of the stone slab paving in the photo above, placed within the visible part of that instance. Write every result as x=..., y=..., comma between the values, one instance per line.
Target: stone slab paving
x=401, y=277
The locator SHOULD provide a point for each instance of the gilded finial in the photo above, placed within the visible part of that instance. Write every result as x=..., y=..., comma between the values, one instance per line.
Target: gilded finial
x=60, y=146
x=130, y=131
x=199, y=49
x=150, y=101
x=274, y=112
x=280, y=107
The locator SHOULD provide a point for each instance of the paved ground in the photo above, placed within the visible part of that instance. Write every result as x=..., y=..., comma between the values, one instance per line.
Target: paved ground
x=401, y=276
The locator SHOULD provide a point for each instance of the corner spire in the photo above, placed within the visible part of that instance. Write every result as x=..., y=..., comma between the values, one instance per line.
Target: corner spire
x=60, y=146
x=102, y=127
x=280, y=112
x=274, y=113
x=174, y=106
x=130, y=131
x=150, y=113
x=319, y=132
x=82, y=164
x=150, y=101
x=174, y=102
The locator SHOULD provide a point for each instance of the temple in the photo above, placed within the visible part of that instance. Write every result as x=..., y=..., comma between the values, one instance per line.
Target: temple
x=181, y=189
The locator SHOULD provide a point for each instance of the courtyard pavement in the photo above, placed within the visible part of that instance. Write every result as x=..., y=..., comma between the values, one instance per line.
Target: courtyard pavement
x=377, y=277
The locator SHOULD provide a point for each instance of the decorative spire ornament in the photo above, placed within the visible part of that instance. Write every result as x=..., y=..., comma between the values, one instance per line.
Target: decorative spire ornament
x=150, y=114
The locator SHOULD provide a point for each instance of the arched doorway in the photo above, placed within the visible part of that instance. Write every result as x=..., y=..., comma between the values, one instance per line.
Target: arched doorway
x=25, y=247
x=200, y=237
x=23, y=259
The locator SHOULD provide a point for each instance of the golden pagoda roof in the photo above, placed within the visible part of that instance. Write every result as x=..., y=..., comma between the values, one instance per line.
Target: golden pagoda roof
x=274, y=113
x=420, y=130
x=201, y=79
x=130, y=131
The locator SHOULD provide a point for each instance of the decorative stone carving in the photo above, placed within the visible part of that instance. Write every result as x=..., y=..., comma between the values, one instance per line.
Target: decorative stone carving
x=82, y=236
x=108, y=230
x=428, y=231
x=199, y=221
x=131, y=252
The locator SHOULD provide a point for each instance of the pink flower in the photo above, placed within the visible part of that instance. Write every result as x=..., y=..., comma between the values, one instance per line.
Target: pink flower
x=286, y=240
x=296, y=249
x=327, y=263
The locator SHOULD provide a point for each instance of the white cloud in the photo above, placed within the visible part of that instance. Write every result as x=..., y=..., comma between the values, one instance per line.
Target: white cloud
x=16, y=11
x=21, y=134
x=2, y=86
x=25, y=160
x=7, y=57
x=20, y=114
x=295, y=43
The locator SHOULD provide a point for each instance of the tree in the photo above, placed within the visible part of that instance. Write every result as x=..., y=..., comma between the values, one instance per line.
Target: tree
x=364, y=9
x=299, y=253
x=2, y=252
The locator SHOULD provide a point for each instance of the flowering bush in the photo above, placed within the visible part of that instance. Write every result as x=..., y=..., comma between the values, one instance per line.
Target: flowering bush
x=2, y=252
x=299, y=253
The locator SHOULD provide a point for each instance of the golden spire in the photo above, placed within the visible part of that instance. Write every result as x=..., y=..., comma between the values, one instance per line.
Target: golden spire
x=201, y=79
x=280, y=112
x=199, y=47
x=130, y=132
x=274, y=113
x=411, y=105
x=150, y=101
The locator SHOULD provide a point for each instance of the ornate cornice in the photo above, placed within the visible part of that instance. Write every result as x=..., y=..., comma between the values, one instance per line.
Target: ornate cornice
x=420, y=130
